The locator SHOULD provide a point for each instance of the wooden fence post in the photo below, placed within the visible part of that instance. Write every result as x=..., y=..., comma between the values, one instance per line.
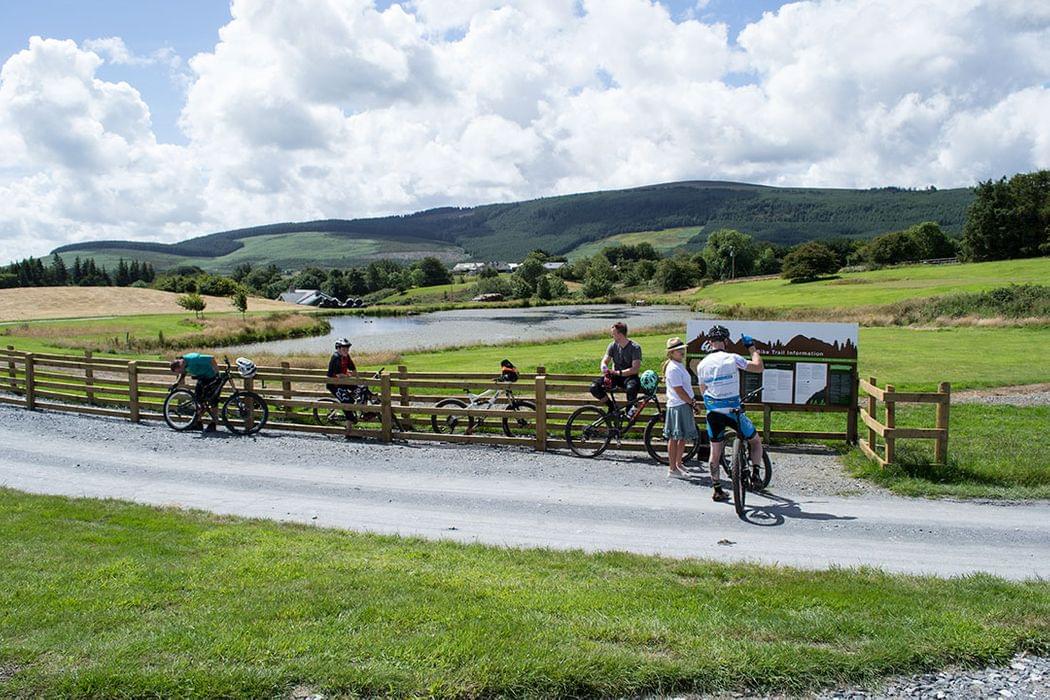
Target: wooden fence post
x=891, y=423
x=406, y=417
x=873, y=411
x=853, y=415
x=11, y=370
x=943, y=408
x=387, y=406
x=541, y=412
x=30, y=389
x=249, y=420
x=286, y=389
x=133, y=390
x=89, y=379
x=767, y=421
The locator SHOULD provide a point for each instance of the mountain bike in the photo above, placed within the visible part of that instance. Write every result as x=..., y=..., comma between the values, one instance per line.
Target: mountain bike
x=740, y=461
x=590, y=429
x=243, y=413
x=501, y=399
x=362, y=395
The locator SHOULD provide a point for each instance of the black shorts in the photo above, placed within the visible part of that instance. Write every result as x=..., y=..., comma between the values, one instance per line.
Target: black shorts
x=207, y=390
x=717, y=422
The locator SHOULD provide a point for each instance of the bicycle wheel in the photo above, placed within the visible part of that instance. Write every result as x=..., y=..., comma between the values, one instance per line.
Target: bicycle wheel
x=180, y=409
x=245, y=413
x=588, y=431
x=741, y=474
x=449, y=425
x=518, y=427
x=656, y=444
x=329, y=415
x=767, y=470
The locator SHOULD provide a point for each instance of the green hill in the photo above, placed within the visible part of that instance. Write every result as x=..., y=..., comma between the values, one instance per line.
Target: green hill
x=560, y=224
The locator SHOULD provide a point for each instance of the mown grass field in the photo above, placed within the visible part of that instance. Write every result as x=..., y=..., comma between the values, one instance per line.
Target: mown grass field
x=36, y=303
x=877, y=287
x=252, y=609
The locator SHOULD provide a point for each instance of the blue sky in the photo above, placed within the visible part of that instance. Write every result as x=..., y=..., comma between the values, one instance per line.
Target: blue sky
x=318, y=109
x=191, y=26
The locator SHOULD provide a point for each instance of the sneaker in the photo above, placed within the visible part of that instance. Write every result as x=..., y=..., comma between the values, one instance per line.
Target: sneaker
x=678, y=474
x=756, y=478
x=631, y=411
x=719, y=495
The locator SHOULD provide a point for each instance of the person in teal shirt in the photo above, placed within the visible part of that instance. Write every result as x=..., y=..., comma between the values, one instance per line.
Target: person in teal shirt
x=205, y=371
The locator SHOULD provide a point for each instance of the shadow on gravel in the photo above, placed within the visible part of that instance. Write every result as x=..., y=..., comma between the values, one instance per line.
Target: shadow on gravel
x=781, y=509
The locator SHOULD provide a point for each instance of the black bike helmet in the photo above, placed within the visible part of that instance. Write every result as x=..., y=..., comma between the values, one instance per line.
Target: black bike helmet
x=508, y=372
x=718, y=333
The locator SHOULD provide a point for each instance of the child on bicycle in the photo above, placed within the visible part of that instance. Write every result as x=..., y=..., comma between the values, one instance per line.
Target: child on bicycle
x=720, y=385
x=340, y=364
x=205, y=371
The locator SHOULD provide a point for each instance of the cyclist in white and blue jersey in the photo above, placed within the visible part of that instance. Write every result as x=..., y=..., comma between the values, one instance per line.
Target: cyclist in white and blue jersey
x=719, y=379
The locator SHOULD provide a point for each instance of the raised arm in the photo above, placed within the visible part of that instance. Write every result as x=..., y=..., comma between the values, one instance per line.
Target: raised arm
x=755, y=363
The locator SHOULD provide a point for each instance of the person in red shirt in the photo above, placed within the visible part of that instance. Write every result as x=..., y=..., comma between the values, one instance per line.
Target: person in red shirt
x=342, y=365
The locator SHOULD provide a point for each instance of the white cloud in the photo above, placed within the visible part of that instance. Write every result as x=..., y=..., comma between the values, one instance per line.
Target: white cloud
x=332, y=108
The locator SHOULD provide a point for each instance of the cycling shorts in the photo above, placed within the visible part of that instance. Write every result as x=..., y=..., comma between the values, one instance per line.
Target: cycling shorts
x=717, y=422
x=208, y=389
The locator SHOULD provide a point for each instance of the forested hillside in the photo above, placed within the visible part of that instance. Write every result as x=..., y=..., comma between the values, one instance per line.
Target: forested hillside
x=561, y=224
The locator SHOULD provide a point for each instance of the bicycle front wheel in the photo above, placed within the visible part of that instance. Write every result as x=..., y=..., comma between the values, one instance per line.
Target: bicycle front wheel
x=329, y=415
x=180, y=409
x=450, y=424
x=519, y=427
x=741, y=475
x=588, y=431
x=245, y=413
x=656, y=443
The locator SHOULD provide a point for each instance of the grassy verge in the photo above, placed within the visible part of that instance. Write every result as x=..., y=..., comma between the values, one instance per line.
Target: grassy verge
x=878, y=287
x=994, y=452
x=251, y=609
x=155, y=333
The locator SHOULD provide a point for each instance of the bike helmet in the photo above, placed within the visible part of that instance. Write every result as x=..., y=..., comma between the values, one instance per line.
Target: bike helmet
x=718, y=333
x=507, y=371
x=246, y=367
x=650, y=381
x=343, y=343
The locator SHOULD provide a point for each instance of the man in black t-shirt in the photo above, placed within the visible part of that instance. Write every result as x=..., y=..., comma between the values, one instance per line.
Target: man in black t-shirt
x=620, y=366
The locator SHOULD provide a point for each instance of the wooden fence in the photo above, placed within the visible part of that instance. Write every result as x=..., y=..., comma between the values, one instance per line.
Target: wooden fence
x=890, y=432
x=136, y=390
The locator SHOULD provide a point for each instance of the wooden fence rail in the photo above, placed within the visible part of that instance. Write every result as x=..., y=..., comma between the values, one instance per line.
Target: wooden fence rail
x=890, y=432
x=136, y=390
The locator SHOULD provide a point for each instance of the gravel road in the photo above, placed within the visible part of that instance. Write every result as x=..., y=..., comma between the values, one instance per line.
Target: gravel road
x=1022, y=395
x=514, y=497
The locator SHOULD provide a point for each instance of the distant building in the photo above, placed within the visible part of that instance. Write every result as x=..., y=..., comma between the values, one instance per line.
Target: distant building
x=467, y=268
x=553, y=265
x=306, y=297
x=473, y=268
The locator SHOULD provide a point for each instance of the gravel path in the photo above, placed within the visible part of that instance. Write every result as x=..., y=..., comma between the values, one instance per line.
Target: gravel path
x=1025, y=677
x=1022, y=395
x=514, y=497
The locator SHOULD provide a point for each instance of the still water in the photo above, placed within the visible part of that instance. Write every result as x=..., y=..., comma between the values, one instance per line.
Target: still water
x=472, y=326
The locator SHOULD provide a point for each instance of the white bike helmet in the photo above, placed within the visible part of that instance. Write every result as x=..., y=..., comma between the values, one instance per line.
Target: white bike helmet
x=343, y=343
x=246, y=367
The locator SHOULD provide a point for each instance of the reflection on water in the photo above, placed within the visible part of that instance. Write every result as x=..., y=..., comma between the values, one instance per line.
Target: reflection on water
x=470, y=326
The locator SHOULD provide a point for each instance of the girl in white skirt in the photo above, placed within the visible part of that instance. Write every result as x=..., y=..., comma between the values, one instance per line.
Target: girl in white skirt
x=680, y=424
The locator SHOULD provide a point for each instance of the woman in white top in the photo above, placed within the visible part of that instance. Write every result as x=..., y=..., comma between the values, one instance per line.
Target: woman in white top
x=680, y=424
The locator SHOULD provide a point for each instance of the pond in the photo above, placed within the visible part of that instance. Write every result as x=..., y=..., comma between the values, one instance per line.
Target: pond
x=472, y=326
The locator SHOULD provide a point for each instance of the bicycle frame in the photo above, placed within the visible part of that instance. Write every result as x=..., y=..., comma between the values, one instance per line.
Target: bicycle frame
x=618, y=412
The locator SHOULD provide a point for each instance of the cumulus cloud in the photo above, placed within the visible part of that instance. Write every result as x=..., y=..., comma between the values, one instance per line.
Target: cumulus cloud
x=334, y=108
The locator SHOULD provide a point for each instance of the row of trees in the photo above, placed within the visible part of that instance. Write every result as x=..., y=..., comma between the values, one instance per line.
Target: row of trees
x=32, y=272
x=1009, y=218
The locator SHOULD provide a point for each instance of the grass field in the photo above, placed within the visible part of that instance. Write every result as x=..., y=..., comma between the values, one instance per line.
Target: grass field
x=664, y=241
x=32, y=303
x=251, y=609
x=287, y=252
x=877, y=287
